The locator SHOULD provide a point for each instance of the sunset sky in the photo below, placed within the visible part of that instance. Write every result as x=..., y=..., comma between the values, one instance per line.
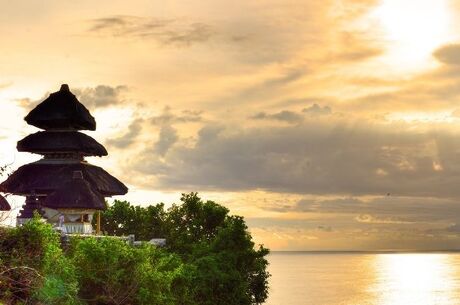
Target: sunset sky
x=331, y=124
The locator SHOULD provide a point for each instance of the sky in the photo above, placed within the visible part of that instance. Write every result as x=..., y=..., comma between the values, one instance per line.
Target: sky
x=328, y=125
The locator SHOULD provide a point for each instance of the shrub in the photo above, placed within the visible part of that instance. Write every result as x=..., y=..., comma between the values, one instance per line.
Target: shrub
x=112, y=272
x=33, y=266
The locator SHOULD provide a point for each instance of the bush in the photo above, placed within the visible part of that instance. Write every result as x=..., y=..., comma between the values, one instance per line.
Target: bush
x=112, y=272
x=33, y=267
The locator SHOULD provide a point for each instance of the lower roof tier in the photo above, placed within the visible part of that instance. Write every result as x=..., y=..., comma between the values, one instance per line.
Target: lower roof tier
x=75, y=194
x=44, y=178
x=44, y=142
x=4, y=205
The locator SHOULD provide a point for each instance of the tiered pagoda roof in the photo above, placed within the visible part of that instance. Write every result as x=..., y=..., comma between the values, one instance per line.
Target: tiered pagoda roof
x=64, y=148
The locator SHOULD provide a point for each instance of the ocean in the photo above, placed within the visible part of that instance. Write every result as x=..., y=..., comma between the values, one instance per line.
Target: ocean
x=307, y=278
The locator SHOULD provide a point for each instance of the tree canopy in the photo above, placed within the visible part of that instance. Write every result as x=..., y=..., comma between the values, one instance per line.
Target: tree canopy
x=229, y=269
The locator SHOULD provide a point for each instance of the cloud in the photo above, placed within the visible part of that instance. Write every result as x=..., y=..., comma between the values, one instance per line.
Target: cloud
x=285, y=116
x=100, y=96
x=124, y=141
x=168, y=137
x=433, y=90
x=92, y=97
x=262, y=89
x=316, y=109
x=454, y=228
x=367, y=218
x=324, y=228
x=379, y=210
x=168, y=117
x=166, y=31
x=356, y=47
x=448, y=54
x=456, y=113
x=314, y=157
x=5, y=85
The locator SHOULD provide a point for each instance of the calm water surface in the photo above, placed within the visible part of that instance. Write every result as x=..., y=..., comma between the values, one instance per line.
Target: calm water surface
x=301, y=278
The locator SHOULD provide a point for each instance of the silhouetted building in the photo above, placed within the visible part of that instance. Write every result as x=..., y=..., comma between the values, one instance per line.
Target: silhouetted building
x=4, y=205
x=62, y=182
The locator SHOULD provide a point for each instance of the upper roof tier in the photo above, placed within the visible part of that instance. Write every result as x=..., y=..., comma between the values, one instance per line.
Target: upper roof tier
x=61, y=110
x=44, y=142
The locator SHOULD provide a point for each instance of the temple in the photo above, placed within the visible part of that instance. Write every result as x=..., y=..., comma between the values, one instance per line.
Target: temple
x=62, y=186
x=4, y=205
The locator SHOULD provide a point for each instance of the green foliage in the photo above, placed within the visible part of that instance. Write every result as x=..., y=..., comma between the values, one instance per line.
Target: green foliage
x=112, y=272
x=209, y=259
x=192, y=223
x=123, y=219
x=33, y=267
x=216, y=247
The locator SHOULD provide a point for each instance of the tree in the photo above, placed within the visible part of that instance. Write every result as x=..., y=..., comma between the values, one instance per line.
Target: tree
x=193, y=222
x=231, y=271
x=121, y=218
x=216, y=247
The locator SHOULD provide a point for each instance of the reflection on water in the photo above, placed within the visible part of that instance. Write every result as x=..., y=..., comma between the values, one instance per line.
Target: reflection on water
x=364, y=279
x=414, y=279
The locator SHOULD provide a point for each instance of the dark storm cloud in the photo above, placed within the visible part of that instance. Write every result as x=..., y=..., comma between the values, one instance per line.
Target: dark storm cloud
x=313, y=157
x=167, y=31
x=448, y=54
x=124, y=141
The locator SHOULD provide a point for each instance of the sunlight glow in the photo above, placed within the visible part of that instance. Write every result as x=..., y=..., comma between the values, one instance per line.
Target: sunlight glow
x=414, y=279
x=413, y=29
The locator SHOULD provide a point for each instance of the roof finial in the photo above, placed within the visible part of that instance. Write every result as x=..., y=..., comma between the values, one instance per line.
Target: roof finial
x=64, y=87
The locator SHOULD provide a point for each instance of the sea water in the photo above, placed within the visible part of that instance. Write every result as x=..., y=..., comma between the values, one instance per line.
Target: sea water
x=306, y=278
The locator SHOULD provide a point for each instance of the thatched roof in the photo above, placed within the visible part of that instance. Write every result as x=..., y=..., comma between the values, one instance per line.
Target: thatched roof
x=61, y=110
x=4, y=205
x=76, y=193
x=33, y=204
x=45, y=178
x=61, y=141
